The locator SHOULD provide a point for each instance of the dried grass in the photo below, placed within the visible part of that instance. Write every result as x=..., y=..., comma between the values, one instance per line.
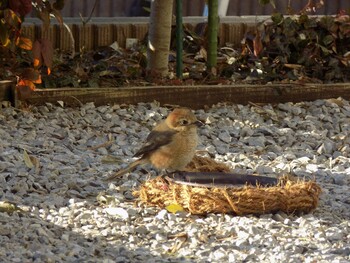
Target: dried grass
x=289, y=196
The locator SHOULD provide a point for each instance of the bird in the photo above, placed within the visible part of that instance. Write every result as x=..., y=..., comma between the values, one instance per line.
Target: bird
x=171, y=144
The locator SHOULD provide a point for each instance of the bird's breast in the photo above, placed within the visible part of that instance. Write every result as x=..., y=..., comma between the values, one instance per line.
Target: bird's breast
x=178, y=153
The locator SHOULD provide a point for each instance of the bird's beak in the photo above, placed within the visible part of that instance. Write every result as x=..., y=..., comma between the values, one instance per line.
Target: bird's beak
x=199, y=123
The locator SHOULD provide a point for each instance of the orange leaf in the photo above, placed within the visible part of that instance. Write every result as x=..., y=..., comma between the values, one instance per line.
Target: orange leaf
x=24, y=43
x=38, y=80
x=31, y=75
x=48, y=71
x=25, y=83
x=36, y=63
x=257, y=44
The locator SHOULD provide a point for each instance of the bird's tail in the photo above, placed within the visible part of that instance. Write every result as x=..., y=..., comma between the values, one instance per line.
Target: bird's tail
x=127, y=169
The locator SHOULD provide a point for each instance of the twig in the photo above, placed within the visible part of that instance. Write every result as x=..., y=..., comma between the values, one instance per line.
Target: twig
x=70, y=35
x=107, y=143
x=72, y=39
x=80, y=103
x=90, y=16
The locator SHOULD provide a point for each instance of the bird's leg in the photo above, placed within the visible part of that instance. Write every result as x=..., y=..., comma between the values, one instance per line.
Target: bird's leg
x=172, y=174
x=164, y=173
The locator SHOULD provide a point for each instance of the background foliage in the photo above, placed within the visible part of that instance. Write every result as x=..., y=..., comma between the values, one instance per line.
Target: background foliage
x=14, y=47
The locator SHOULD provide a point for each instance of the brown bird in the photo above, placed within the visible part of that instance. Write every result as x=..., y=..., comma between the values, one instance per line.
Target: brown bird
x=171, y=144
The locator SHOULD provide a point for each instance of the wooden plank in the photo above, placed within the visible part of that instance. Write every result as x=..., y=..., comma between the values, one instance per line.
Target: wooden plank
x=232, y=33
x=29, y=31
x=86, y=37
x=139, y=31
x=190, y=96
x=64, y=40
x=104, y=31
x=49, y=33
x=121, y=33
x=104, y=35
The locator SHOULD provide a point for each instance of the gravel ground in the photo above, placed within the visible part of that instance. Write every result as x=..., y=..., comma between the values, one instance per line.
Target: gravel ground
x=53, y=160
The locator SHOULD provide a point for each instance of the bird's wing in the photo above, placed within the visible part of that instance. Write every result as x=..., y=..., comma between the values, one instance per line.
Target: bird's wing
x=155, y=140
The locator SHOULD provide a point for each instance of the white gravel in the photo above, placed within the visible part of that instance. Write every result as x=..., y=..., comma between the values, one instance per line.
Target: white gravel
x=53, y=159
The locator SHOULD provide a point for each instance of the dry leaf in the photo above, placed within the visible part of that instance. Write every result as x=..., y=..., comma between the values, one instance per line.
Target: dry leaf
x=47, y=52
x=37, y=57
x=61, y=103
x=24, y=43
x=36, y=163
x=339, y=102
x=174, y=208
x=26, y=84
x=257, y=44
x=27, y=160
x=203, y=53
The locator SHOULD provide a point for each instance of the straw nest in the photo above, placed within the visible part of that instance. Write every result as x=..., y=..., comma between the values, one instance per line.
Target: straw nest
x=289, y=196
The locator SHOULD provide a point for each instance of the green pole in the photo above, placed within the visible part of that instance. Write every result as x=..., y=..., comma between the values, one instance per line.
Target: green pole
x=179, y=39
x=212, y=35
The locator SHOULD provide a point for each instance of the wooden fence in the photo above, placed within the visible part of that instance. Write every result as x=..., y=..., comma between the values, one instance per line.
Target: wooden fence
x=103, y=32
x=110, y=24
x=115, y=8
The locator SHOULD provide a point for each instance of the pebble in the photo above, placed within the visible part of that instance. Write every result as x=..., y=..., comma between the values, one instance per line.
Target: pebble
x=72, y=215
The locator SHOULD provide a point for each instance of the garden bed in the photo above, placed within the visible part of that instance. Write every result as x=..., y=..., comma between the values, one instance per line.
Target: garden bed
x=114, y=74
x=190, y=96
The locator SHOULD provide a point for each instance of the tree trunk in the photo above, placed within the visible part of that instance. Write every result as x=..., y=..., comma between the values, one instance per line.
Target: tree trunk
x=159, y=37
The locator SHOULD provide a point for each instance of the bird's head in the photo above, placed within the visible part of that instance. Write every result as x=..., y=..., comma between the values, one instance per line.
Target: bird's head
x=182, y=119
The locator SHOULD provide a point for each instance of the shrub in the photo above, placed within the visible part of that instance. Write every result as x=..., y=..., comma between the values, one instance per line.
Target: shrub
x=13, y=43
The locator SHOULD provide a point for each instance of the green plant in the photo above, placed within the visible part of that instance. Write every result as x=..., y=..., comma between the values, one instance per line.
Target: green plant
x=302, y=48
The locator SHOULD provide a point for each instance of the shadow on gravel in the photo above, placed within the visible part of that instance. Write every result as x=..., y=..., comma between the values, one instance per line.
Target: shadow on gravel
x=69, y=236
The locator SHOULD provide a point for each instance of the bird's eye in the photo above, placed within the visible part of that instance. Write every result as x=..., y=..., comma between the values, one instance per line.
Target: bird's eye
x=183, y=122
